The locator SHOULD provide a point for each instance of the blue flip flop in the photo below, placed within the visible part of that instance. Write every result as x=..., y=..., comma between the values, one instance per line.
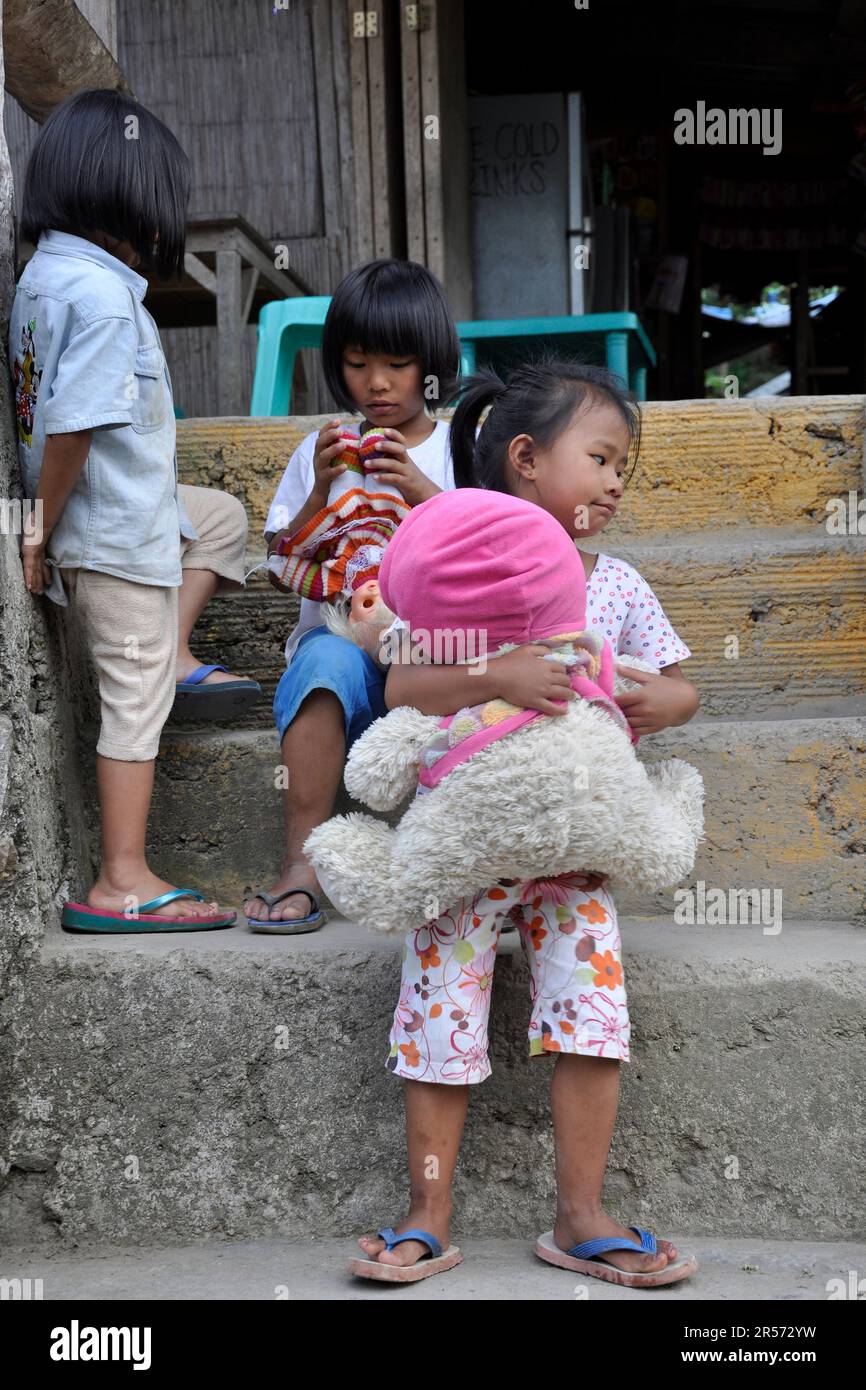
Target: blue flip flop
x=80, y=917
x=436, y=1262
x=585, y=1259
x=224, y=700
x=288, y=926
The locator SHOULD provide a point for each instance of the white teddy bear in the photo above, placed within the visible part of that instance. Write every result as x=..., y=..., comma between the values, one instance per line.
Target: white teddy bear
x=502, y=791
x=559, y=795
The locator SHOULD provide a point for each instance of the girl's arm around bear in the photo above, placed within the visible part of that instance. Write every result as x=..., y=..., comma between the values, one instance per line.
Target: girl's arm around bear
x=522, y=677
x=660, y=702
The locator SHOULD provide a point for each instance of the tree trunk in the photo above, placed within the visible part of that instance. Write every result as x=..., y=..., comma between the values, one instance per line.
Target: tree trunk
x=51, y=53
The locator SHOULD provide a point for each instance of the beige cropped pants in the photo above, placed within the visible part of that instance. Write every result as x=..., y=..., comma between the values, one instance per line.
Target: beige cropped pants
x=130, y=630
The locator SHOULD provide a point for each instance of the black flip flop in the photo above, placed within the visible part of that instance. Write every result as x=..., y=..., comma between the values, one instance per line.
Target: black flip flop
x=290, y=926
x=223, y=700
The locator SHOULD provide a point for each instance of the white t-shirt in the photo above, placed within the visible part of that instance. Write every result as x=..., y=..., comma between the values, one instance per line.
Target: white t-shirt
x=432, y=456
x=623, y=608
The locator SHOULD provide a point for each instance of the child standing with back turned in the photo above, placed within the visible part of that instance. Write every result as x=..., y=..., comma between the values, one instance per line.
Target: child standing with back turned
x=133, y=556
x=558, y=435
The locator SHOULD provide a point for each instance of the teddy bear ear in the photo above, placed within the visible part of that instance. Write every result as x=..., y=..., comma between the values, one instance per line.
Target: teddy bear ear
x=382, y=767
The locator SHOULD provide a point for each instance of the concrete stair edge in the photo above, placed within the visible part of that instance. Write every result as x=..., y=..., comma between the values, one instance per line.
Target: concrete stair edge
x=175, y=1092
x=784, y=808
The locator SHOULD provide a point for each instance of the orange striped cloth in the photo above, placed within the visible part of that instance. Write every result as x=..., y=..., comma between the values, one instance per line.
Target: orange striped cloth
x=342, y=545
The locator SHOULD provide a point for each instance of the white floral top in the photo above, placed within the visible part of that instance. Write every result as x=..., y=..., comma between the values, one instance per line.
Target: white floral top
x=623, y=608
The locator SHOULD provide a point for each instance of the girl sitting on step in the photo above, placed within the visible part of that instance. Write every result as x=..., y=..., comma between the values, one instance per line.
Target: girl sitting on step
x=389, y=346
x=558, y=434
x=133, y=557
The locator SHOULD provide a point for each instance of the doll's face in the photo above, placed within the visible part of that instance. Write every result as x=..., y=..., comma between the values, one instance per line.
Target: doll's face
x=369, y=616
x=366, y=601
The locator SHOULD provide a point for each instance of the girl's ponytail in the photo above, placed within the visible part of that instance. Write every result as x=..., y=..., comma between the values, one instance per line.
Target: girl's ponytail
x=539, y=399
x=480, y=391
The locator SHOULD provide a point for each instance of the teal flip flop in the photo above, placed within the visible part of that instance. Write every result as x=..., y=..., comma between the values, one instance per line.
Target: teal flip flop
x=79, y=917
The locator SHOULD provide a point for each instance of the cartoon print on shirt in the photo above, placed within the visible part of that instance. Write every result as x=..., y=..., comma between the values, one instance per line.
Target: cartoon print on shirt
x=26, y=380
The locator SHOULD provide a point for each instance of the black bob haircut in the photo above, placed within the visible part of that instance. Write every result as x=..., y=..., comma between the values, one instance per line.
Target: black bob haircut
x=94, y=169
x=396, y=308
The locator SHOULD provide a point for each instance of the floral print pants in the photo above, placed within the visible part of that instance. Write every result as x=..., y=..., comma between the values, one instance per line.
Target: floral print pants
x=571, y=939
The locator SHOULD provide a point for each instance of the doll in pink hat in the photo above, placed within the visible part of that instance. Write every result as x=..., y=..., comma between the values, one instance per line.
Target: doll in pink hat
x=519, y=581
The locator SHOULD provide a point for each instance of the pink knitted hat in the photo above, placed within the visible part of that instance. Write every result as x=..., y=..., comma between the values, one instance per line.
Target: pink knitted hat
x=484, y=561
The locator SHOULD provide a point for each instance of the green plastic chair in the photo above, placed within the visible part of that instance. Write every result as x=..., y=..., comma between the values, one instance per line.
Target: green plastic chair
x=285, y=326
x=618, y=340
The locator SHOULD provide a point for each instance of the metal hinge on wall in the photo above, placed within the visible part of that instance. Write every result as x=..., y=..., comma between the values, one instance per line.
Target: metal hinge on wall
x=417, y=16
x=365, y=24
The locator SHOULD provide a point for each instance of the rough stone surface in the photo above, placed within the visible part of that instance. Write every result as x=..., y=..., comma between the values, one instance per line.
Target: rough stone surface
x=770, y=617
x=703, y=464
x=228, y=1084
x=41, y=846
x=784, y=811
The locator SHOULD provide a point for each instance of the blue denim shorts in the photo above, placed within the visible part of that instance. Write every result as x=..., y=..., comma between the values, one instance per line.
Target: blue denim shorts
x=324, y=661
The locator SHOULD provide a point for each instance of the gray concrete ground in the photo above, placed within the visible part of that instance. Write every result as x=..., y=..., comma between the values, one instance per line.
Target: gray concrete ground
x=761, y=1270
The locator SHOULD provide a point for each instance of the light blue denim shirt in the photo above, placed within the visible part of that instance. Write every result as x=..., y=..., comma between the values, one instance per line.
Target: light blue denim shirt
x=85, y=354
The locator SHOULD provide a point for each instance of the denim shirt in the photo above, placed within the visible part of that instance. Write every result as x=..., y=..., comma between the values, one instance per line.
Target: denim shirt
x=85, y=354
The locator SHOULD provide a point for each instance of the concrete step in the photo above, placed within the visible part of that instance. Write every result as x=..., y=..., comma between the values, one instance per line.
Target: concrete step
x=172, y=1088
x=792, y=599
x=771, y=616
x=784, y=811
x=504, y=1270
x=704, y=463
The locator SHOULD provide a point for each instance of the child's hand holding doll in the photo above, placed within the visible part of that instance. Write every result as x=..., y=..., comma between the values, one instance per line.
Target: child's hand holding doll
x=329, y=446
x=401, y=472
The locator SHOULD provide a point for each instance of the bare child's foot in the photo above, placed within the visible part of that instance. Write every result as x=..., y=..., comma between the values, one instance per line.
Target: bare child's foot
x=297, y=874
x=119, y=894
x=436, y=1220
x=574, y=1227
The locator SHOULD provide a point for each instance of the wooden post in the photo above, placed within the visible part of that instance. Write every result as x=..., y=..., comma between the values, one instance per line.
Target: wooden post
x=386, y=160
x=436, y=147
x=53, y=51
x=413, y=142
x=363, y=171
x=230, y=325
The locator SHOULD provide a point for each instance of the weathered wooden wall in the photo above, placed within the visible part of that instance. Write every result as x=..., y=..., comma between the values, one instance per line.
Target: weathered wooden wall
x=259, y=100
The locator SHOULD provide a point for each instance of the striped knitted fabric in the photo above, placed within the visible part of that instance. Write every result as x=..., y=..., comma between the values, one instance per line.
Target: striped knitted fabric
x=361, y=455
x=341, y=546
